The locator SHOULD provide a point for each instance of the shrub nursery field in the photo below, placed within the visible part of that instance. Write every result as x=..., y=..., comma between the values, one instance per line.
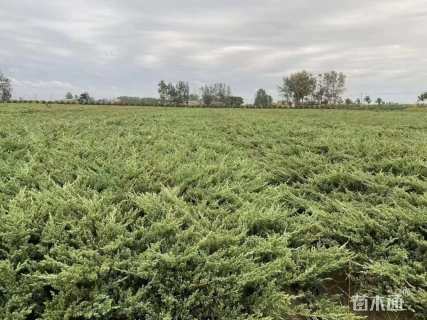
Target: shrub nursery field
x=174, y=213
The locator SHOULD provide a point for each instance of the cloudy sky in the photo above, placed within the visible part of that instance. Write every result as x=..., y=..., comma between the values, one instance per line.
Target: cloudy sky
x=113, y=48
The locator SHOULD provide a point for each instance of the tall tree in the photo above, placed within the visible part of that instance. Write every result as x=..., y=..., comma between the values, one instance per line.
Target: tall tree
x=221, y=92
x=208, y=95
x=182, y=93
x=69, y=96
x=163, y=92
x=172, y=94
x=298, y=86
x=5, y=88
x=379, y=101
x=333, y=86
x=319, y=94
x=217, y=94
x=262, y=99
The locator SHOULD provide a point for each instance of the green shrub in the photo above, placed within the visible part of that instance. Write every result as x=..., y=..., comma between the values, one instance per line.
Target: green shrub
x=155, y=213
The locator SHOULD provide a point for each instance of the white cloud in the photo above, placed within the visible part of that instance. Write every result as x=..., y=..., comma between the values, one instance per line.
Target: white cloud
x=42, y=84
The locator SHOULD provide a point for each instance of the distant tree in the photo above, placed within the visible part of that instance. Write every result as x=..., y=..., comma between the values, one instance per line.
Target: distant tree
x=298, y=86
x=368, y=99
x=379, y=101
x=423, y=97
x=221, y=92
x=174, y=94
x=262, y=99
x=348, y=101
x=182, y=93
x=235, y=102
x=163, y=92
x=208, y=95
x=319, y=94
x=69, y=96
x=171, y=94
x=5, y=88
x=333, y=86
x=329, y=88
x=217, y=94
x=358, y=101
x=85, y=98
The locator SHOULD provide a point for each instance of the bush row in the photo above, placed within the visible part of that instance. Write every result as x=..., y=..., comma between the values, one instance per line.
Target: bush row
x=328, y=106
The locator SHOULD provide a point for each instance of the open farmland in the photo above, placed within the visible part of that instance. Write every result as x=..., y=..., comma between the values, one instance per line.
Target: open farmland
x=172, y=213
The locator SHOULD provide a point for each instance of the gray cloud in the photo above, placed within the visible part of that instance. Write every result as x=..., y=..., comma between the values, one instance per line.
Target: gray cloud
x=125, y=47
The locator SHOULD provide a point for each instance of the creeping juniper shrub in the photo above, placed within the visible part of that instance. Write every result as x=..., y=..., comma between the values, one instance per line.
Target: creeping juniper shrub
x=152, y=213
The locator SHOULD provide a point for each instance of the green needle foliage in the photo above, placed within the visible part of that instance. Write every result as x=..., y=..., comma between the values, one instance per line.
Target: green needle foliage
x=150, y=213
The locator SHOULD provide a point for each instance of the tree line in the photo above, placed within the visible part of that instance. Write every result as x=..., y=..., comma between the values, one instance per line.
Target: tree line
x=306, y=88
x=178, y=94
x=298, y=89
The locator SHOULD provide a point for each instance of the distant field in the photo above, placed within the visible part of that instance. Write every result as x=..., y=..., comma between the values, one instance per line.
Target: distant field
x=164, y=213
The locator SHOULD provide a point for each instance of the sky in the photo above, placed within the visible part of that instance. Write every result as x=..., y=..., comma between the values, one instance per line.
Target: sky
x=114, y=48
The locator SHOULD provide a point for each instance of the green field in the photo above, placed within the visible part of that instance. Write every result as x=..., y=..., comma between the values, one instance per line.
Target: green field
x=173, y=213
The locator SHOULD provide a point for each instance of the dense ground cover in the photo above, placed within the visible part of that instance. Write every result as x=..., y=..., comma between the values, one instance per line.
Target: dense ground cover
x=156, y=213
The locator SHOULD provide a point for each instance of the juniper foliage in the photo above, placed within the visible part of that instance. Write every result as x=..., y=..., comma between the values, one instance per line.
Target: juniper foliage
x=150, y=213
